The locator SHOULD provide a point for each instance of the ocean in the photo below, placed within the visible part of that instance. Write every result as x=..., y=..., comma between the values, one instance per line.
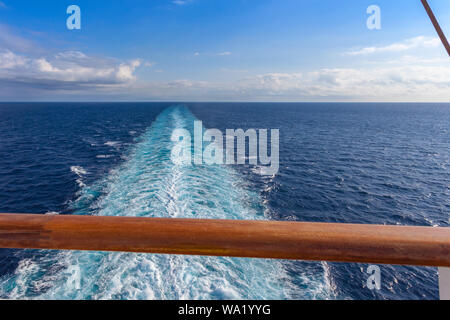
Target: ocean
x=377, y=163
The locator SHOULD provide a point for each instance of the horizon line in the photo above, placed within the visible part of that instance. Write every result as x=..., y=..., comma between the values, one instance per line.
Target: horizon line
x=215, y=101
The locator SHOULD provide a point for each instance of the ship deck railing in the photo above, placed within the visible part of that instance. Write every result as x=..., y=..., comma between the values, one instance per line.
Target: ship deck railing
x=334, y=242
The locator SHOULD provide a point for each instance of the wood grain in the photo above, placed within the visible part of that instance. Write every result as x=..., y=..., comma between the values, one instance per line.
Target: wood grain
x=255, y=239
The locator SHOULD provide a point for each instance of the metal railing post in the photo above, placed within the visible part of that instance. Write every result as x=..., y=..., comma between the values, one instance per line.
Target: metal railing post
x=444, y=283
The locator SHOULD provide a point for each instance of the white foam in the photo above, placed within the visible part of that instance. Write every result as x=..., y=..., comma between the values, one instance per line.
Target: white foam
x=112, y=143
x=52, y=213
x=263, y=171
x=149, y=184
x=79, y=171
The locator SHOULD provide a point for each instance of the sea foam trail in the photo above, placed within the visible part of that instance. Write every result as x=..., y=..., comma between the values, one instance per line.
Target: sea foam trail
x=148, y=184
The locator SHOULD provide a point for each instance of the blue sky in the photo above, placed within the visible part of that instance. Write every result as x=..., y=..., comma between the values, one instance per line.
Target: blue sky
x=223, y=50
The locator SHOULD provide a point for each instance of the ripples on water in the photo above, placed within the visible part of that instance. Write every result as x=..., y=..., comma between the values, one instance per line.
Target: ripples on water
x=360, y=163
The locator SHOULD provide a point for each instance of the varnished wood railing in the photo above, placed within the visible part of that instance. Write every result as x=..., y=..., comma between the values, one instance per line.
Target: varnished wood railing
x=255, y=239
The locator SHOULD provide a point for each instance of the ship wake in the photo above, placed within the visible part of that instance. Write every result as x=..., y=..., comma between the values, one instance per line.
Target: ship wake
x=148, y=184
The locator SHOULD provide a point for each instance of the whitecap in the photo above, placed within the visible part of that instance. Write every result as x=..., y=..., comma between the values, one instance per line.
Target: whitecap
x=79, y=171
x=112, y=143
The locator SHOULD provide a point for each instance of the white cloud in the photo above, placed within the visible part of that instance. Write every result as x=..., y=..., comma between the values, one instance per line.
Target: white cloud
x=68, y=67
x=180, y=2
x=417, y=42
x=149, y=64
x=126, y=70
x=9, y=39
x=71, y=55
x=73, y=73
x=210, y=54
x=3, y=5
x=400, y=83
x=383, y=83
x=9, y=60
x=26, y=72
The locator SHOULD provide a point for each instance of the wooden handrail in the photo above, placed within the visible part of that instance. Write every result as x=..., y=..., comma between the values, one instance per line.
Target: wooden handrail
x=255, y=239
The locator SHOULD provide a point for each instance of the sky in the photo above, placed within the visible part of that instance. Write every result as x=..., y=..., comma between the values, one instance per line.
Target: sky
x=223, y=50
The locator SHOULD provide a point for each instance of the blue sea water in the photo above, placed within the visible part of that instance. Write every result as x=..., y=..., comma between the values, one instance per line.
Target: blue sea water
x=351, y=163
